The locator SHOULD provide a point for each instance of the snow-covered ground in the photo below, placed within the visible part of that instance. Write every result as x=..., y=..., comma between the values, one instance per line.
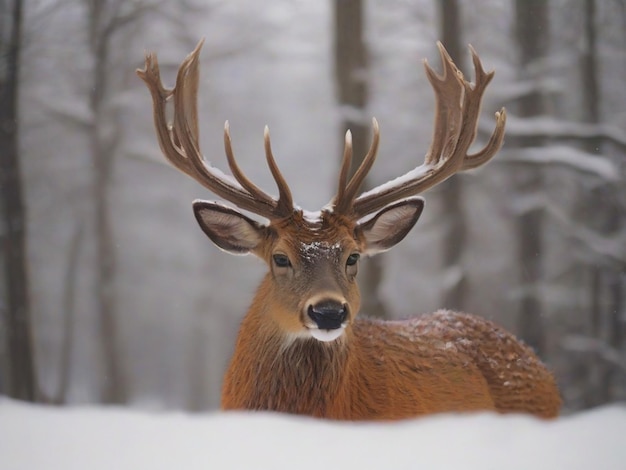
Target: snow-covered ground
x=36, y=437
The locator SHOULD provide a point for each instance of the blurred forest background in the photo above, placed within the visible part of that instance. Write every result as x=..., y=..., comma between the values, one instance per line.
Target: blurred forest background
x=110, y=293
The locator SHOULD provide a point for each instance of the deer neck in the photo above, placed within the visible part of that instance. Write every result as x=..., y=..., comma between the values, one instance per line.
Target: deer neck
x=274, y=370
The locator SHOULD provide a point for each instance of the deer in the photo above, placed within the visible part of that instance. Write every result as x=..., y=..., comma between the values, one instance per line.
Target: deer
x=301, y=348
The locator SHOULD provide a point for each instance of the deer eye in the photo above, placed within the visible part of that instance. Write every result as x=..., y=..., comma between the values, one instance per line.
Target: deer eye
x=352, y=259
x=281, y=261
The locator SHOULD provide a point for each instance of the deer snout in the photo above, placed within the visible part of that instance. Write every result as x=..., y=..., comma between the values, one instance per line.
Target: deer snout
x=328, y=314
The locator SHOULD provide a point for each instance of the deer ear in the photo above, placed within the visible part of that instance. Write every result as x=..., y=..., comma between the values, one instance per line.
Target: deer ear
x=391, y=225
x=227, y=228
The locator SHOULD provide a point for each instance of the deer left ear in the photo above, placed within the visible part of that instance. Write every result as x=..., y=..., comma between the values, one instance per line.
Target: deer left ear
x=227, y=228
x=391, y=225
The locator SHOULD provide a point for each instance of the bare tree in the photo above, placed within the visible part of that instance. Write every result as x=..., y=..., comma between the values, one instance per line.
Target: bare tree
x=351, y=69
x=102, y=25
x=599, y=212
x=21, y=376
x=105, y=18
x=532, y=34
x=452, y=190
x=592, y=226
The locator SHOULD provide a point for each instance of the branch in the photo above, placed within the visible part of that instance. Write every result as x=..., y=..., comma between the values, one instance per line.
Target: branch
x=69, y=112
x=612, y=247
x=544, y=126
x=118, y=21
x=563, y=155
x=585, y=344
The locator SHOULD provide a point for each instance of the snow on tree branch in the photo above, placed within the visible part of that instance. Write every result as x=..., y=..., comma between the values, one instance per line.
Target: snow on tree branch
x=545, y=126
x=563, y=155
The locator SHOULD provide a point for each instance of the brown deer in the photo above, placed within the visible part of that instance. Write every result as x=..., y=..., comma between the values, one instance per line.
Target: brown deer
x=301, y=348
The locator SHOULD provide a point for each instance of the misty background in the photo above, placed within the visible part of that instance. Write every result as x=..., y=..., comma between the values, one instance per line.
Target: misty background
x=110, y=293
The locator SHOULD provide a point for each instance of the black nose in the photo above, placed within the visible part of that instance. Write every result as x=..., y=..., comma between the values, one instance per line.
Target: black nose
x=328, y=314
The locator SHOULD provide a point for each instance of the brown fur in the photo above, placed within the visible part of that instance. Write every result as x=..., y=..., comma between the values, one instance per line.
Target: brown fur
x=442, y=362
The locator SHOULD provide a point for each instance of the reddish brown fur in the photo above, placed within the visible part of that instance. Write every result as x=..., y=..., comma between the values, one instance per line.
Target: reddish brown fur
x=377, y=370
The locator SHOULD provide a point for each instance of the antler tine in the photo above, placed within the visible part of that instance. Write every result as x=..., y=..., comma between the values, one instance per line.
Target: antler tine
x=239, y=175
x=448, y=89
x=180, y=144
x=346, y=162
x=366, y=165
x=456, y=119
x=345, y=197
x=495, y=141
x=284, y=205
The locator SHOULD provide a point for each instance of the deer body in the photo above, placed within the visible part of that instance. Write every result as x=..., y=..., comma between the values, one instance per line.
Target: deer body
x=442, y=362
x=354, y=378
x=376, y=369
x=301, y=348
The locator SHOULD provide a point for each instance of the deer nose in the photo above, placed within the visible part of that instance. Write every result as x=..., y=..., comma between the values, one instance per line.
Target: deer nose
x=328, y=314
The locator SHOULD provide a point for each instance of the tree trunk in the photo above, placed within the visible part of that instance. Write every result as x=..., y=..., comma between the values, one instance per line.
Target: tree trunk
x=69, y=315
x=605, y=284
x=21, y=375
x=452, y=190
x=351, y=78
x=531, y=24
x=102, y=151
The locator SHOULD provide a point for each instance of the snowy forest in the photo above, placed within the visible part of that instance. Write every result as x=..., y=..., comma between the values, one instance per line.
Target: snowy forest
x=110, y=293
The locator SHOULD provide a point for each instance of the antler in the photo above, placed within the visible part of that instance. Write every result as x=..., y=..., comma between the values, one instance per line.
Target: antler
x=180, y=145
x=456, y=119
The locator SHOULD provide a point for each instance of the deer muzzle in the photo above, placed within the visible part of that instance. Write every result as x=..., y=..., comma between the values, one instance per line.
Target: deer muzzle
x=328, y=314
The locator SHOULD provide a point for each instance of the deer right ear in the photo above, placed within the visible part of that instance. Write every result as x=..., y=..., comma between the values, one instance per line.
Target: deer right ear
x=228, y=229
x=391, y=225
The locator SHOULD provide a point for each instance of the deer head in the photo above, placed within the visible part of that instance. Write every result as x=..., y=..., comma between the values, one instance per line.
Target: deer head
x=313, y=258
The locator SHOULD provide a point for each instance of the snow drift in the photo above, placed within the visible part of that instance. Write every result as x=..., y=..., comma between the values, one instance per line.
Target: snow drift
x=38, y=437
